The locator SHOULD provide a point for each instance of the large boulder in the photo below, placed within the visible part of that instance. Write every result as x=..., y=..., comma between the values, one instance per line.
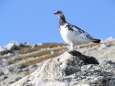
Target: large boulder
x=3, y=50
x=71, y=69
x=12, y=45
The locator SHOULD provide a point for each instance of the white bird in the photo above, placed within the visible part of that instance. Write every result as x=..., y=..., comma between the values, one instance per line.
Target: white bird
x=72, y=34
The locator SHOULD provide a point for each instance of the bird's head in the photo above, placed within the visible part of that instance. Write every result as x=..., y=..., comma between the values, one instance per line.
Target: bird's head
x=59, y=13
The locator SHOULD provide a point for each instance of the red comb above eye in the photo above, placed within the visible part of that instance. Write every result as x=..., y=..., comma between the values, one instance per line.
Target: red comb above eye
x=58, y=11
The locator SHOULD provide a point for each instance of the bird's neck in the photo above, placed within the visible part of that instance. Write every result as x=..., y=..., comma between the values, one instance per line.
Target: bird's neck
x=62, y=20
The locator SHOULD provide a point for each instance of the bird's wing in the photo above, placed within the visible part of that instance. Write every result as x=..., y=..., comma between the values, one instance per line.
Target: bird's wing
x=79, y=31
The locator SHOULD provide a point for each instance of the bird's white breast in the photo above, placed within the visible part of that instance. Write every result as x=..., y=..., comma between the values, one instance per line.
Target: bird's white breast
x=72, y=37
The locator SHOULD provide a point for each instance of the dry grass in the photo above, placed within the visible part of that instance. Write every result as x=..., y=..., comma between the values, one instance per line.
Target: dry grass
x=95, y=44
x=34, y=55
x=27, y=50
x=47, y=52
x=90, y=45
x=37, y=47
x=11, y=62
x=51, y=45
x=24, y=50
x=40, y=53
x=38, y=60
x=5, y=57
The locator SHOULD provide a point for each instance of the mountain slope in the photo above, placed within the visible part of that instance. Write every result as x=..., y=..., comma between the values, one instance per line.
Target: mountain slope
x=24, y=59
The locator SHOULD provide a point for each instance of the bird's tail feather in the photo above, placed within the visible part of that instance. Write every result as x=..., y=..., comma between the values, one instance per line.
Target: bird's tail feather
x=96, y=40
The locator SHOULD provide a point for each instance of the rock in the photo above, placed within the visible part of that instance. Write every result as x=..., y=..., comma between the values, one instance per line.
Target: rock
x=53, y=52
x=103, y=46
x=3, y=50
x=3, y=77
x=25, y=44
x=32, y=66
x=40, y=44
x=1, y=73
x=14, y=58
x=76, y=71
x=12, y=46
x=17, y=44
x=4, y=62
x=7, y=49
x=7, y=71
x=18, y=78
x=18, y=68
x=71, y=69
x=11, y=82
x=34, y=45
x=19, y=71
x=2, y=83
x=108, y=65
x=25, y=69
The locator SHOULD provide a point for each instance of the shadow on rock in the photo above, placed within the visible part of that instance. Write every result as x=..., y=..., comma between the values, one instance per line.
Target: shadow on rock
x=84, y=58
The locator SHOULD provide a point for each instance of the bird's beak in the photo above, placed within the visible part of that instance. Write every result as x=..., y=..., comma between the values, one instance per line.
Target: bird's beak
x=55, y=13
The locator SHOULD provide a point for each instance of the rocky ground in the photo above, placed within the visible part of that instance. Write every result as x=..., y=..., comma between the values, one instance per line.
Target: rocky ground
x=74, y=70
x=20, y=59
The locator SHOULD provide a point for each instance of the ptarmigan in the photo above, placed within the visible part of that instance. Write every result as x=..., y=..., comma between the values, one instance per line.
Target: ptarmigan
x=72, y=34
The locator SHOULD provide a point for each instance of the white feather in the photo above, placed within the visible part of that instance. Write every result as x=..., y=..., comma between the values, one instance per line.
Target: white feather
x=73, y=37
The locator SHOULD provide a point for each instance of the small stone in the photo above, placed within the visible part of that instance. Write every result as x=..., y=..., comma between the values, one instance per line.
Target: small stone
x=103, y=46
x=1, y=73
x=19, y=70
x=3, y=77
x=4, y=62
x=7, y=71
x=11, y=82
x=18, y=67
x=32, y=66
x=52, y=52
x=34, y=45
x=18, y=78
x=25, y=69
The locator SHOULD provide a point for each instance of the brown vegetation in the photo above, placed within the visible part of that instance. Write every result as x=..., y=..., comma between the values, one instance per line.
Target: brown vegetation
x=38, y=47
x=38, y=60
x=46, y=52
